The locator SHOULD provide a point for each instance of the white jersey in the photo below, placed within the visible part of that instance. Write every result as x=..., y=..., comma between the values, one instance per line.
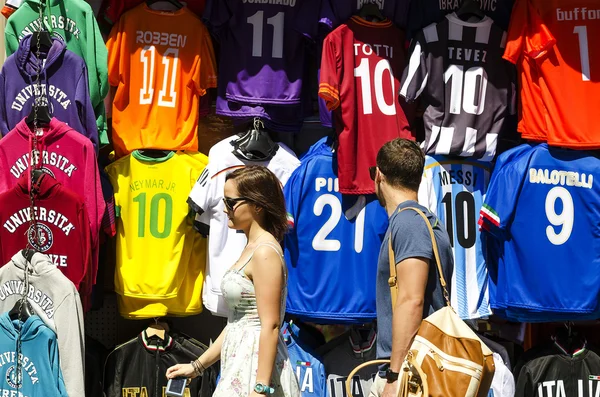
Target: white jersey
x=454, y=190
x=225, y=245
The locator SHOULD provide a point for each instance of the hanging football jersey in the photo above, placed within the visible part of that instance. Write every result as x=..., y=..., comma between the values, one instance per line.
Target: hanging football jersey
x=555, y=36
x=457, y=68
x=360, y=69
x=336, y=12
x=155, y=224
x=454, y=189
x=540, y=209
x=263, y=48
x=225, y=245
x=332, y=248
x=161, y=63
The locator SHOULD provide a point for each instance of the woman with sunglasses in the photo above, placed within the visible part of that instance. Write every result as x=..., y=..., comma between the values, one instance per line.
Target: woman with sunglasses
x=254, y=358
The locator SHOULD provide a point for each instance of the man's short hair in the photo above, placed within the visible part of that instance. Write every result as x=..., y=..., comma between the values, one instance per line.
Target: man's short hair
x=401, y=161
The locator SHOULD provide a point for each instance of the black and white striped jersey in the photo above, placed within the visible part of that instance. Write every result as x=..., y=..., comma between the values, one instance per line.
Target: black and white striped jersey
x=468, y=89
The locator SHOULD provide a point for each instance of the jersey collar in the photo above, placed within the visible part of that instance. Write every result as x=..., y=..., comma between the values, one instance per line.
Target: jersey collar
x=141, y=157
x=159, y=345
x=361, y=346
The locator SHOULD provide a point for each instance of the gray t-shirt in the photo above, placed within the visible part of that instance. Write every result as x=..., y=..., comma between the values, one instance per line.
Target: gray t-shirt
x=410, y=239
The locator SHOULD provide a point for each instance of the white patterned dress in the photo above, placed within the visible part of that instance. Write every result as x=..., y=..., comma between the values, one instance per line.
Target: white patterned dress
x=239, y=353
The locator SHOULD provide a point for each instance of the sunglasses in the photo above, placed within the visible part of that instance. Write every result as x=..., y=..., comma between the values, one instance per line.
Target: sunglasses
x=230, y=202
x=373, y=172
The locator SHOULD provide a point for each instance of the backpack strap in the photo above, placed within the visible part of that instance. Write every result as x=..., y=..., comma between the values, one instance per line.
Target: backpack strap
x=393, y=280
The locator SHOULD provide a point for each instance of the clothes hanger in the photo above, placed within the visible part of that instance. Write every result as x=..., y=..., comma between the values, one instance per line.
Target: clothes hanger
x=255, y=144
x=158, y=329
x=43, y=38
x=470, y=11
x=371, y=12
x=173, y=2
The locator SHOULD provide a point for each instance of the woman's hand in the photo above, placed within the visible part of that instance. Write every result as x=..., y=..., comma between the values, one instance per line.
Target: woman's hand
x=181, y=371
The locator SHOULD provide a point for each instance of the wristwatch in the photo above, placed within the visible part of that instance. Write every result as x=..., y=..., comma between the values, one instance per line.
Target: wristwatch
x=261, y=388
x=391, y=376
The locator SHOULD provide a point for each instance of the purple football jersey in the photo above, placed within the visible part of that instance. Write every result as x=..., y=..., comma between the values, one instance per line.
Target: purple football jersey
x=262, y=47
x=336, y=12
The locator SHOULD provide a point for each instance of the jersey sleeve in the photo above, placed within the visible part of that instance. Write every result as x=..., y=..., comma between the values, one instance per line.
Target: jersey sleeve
x=500, y=201
x=527, y=33
x=416, y=74
x=331, y=78
x=204, y=193
x=291, y=192
x=207, y=64
x=114, y=55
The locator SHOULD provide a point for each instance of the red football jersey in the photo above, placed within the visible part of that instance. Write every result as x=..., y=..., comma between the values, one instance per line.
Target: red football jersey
x=63, y=231
x=113, y=9
x=558, y=35
x=361, y=64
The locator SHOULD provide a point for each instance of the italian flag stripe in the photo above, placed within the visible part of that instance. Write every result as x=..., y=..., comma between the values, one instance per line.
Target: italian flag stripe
x=290, y=220
x=594, y=377
x=303, y=363
x=490, y=215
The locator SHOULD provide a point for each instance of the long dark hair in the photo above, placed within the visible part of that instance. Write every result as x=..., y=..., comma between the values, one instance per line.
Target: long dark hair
x=260, y=186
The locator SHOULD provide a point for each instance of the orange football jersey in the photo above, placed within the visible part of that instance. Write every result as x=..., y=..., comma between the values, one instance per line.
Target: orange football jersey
x=161, y=63
x=558, y=37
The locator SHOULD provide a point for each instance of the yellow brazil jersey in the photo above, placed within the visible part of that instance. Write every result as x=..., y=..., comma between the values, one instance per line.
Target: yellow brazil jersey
x=160, y=257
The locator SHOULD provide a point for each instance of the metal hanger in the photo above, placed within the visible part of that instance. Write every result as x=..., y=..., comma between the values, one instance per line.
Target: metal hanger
x=371, y=12
x=470, y=11
x=255, y=144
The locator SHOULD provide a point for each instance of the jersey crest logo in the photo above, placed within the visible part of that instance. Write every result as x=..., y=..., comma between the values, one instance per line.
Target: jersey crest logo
x=13, y=379
x=42, y=239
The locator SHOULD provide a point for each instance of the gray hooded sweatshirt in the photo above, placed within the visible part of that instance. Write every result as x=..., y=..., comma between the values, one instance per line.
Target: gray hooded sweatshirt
x=55, y=299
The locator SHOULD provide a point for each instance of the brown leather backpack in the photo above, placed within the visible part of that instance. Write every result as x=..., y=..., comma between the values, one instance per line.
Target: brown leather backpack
x=446, y=358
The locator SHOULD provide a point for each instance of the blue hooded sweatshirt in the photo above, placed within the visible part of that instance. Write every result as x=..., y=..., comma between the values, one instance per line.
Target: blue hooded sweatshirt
x=39, y=364
x=64, y=83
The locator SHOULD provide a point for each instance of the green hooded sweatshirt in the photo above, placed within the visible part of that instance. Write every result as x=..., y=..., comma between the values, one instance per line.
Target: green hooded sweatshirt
x=74, y=21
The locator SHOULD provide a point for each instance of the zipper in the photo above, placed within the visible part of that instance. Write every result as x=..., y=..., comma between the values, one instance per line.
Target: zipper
x=157, y=373
x=445, y=361
x=444, y=364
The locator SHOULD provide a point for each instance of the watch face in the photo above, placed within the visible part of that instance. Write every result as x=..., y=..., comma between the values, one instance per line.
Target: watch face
x=259, y=388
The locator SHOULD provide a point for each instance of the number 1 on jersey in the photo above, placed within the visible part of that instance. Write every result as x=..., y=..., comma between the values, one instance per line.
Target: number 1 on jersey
x=584, y=54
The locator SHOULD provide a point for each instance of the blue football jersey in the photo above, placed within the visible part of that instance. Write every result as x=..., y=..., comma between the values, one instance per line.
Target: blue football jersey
x=333, y=244
x=541, y=214
x=454, y=190
x=308, y=368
